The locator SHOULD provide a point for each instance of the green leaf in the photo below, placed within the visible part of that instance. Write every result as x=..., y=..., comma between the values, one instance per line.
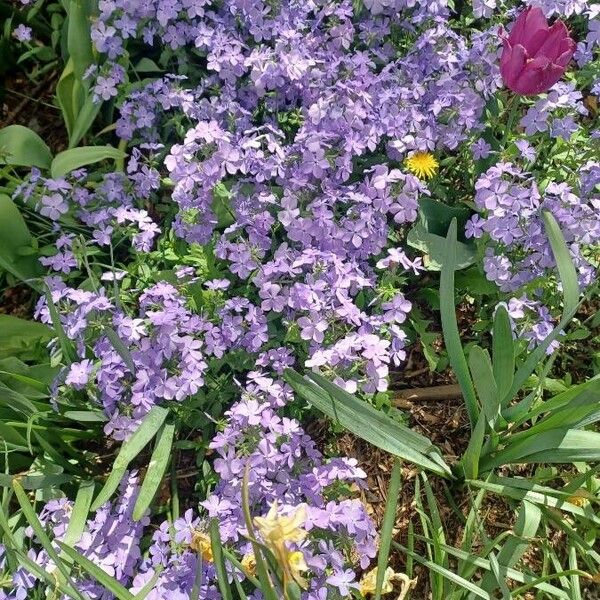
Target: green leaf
x=72, y=159
x=446, y=573
x=22, y=147
x=16, y=237
x=84, y=120
x=480, y=366
x=40, y=532
x=218, y=560
x=35, y=482
x=109, y=583
x=387, y=527
x=564, y=263
x=67, y=98
x=129, y=450
x=471, y=457
x=79, y=37
x=568, y=275
x=79, y=514
x=121, y=348
x=18, y=334
x=450, y=326
x=554, y=446
x=156, y=470
x=503, y=351
x=367, y=422
x=434, y=247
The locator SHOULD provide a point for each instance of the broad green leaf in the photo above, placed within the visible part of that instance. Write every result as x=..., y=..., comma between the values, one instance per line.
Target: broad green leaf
x=22, y=147
x=156, y=470
x=471, y=457
x=35, y=482
x=367, y=422
x=434, y=247
x=79, y=514
x=15, y=237
x=450, y=326
x=72, y=159
x=387, y=527
x=503, y=351
x=17, y=334
x=65, y=97
x=109, y=583
x=148, y=428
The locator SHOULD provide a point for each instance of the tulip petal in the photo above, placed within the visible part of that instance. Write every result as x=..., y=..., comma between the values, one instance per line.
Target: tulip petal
x=538, y=76
x=512, y=63
x=565, y=57
x=551, y=46
x=528, y=22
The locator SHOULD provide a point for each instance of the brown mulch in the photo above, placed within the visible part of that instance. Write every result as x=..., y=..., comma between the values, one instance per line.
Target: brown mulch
x=32, y=104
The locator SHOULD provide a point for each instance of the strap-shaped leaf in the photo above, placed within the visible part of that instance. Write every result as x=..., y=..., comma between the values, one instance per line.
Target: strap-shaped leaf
x=480, y=366
x=129, y=450
x=156, y=470
x=456, y=355
x=387, y=527
x=367, y=422
x=503, y=347
x=109, y=583
x=72, y=159
x=554, y=446
x=568, y=275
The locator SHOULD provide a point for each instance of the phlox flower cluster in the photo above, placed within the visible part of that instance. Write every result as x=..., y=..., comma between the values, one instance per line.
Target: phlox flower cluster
x=512, y=208
x=283, y=465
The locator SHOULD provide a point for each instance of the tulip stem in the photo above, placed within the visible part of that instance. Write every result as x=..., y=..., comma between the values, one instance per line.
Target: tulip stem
x=514, y=104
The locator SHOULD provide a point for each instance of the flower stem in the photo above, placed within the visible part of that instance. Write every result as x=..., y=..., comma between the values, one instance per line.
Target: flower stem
x=514, y=104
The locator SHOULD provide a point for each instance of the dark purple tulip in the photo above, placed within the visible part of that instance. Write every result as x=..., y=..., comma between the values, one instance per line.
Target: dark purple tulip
x=535, y=56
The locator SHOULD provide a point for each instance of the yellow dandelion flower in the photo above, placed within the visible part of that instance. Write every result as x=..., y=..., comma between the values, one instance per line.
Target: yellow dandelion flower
x=422, y=164
x=368, y=582
x=249, y=564
x=201, y=544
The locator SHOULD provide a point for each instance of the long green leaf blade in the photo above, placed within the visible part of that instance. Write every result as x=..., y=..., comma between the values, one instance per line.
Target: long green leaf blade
x=156, y=470
x=456, y=355
x=129, y=450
